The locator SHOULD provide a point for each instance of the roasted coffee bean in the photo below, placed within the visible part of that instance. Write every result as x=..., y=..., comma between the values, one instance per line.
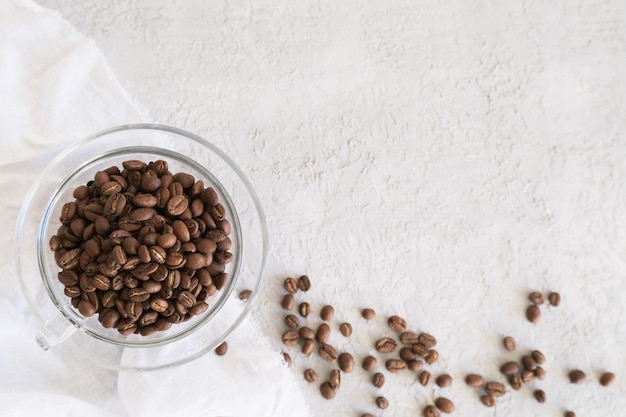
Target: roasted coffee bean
x=444, y=405
x=396, y=323
x=408, y=337
x=126, y=327
x=382, y=402
x=509, y=368
x=323, y=332
x=334, y=379
x=368, y=313
x=148, y=318
x=108, y=299
x=407, y=354
x=327, y=352
x=327, y=391
x=310, y=375
x=327, y=313
x=554, y=298
x=86, y=308
x=304, y=283
x=516, y=382
x=186, y=298
x=68, y=278
x=221, y=349
x=509, y=343
x=432, y=356
x=291, y=338
x=488, y=400
x=427, y=340
x=138, y=295
x=290, y=285
x=111, y=318
x=70, y=258
x=495, y=389
x=538, y=357
x=533, y=314
x=424, y=378
x=378, y=380
x=607, y=378
x=577, y=376
x=292, y=321
x=540, y=396
x=415, y=365
x=386, y=345
x=536, y=297
x=304, y=309
x=420, y=350
x=308, y=346
x=443, y=380
x=198, y=308
x=527, y=376
x=346, y=362
x=529, y=362
x=569, y=414
x=345, y=329
x=369, y=363
x=287, y=359
x=431, y=411
x=287, y=302
x=159, y=305
x=307, y=333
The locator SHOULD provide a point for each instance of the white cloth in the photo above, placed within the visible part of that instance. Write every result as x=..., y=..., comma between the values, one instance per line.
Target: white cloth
x=56, y=87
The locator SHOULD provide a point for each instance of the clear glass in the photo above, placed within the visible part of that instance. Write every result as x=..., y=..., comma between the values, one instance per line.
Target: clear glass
x=62, y=325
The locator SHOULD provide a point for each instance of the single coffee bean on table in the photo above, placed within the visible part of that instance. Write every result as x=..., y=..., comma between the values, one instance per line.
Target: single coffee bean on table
x=396, y=323
x=540, y=373
x=221, y=349
x=444, y=380
x=290, y=285
x=382, y=402
x=495, y=389
x=509, y=368
x=516, y=382
x=474, y=380
x=304, y=309
x=306, y=333
x=323, y=333
x=346, y=362
x=345, y=329
x=509, y=343
x=577, y=376
x=554, y=298
x=292, y=321
x=415, y=365
x=432, y=356
x=378, y=380
x=287, y=359
x=310, y=375
x=327, y=352
x=327, y=391
x=395, y=366
x=488, y=400
x=528, y=376
x=539, y=357
x=427, y=340
x=287, y=302
x=445, y=405
x=431, y=411
x=334, y=379
x=540, y=395
x=386, y=345
x=533, y=314
x=408, y=337
x=308, y=346
x=290, y=338
x=368, y=314
x=304, y=283
x=424, y=378
x=369, y=363
x=536, y=298
x=327, y=313
x=529, y=362
x=607, y=378
x=569, y=414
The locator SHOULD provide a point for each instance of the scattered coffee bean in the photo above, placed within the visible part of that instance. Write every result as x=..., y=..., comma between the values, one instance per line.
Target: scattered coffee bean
x=378, y=380
x=334, y=379
x=396, y=323
x=569, y=414
x=529, y=362
x=327, y=391
x=368, y=314
x=444, y=405
x=443, y=380
x=554, y=298
x=292, y=321
x=327, y=352
x=245, y=295
x=287, y=302
x=408, y=337
x=488, y=400
x=287, y=359
x=369, y=363
x=607, y=379
x=304, y=309
x=431, y=411
x=407, y=354
x=577, y=376
x=395, y=366
x=427, y=340
x=386, y=345
x=290, y=285
x=495, y=389
x=308, y=346
x=323, y=333
x=424, y=378
x=304, y=283
x=533, y=314
x=327, y=313
x=382, y=402
x=310, y=375
x=415, y=365
x=307, y=333
x=432, y=356
x=345, y=329
x=346, y=362
x=539, y=358
x=516, y=382
x=420, y=350
x=290, y=338
x=540, y=396
x=536, y=298
x=528, y=376
x=509, y=343
x=540, y=373
x=474, y=380
x=221, y=349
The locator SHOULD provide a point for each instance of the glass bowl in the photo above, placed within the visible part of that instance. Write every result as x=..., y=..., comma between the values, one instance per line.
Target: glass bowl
x=61, y=323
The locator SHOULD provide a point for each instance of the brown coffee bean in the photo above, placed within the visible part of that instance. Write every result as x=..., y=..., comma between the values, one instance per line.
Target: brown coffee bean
x=68, y=278
x=432, y=356
x=536, y=297
x=310, y=375
x=382, y=402
x=516, y=382
x=304, y=283
x=138, y=295
x=528, y=376
x=509, y=368
x=159, y=305
x=443, y=380
x=369, y=363
x=287, y=302
x=304, y=309
x=308, y=346
x=327, y=313
x=444, y=405
x=147, y=318
x=287, y=359
x=198, y=308
x=186, y=298
x=86, y=308
x=323, y=333
x=533, y=314
x=290, y=338
x=540, y=373
x=420, y=350
x=111, y=318
x=327, y=352
x=538, y=357
x=108, y=299
x=495, y=389
x=431, y=411
x=221, y=349
x=424, y=378
x=176, y=205
x=292, y=321
x=427, y=340
x=396, y=323
x=415, y=365
x=407, y=354
x=346, y=362
x=368, y=313
x=134, y=165
x=577, y=376
x=386, y=345
x=488, y=400
x=509, y=343
x=345, y=329
x=378, y=380
x=540, y=396
x=408, y=337
x=529, y=362
x=290, y=285
x=607, y=378
x=327, y=391
x=334, y=379
x=474, y=380
x=554, y=298
x=570, y=414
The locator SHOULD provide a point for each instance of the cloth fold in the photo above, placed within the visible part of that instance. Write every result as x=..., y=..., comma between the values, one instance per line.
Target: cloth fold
x=55, y=88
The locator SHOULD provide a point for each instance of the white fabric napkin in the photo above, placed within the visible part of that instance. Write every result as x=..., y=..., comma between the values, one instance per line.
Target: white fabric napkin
x=56, y=87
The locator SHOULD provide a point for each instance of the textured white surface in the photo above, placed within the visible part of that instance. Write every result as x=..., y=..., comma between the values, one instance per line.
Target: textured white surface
x=433, y=159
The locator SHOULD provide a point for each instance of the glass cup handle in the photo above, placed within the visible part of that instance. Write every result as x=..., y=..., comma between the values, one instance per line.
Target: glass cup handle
x=54, y=331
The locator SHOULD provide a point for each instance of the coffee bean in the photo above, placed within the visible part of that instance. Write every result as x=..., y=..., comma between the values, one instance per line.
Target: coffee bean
x=308, y=347
x=408, y=337
x=345, y=329
x=221, y=349
x=291, y=285
x=382, y=402
x=138, y=295
x=533, y=314
x=509, y=368
x=495, y=389
x=307, y=333
x=529, y=362
x=86, y=308
x=424, y=378
x=287, y=302
x=427, y=340
x=287, y=359
x=368, y=313
x=290, y=338
x=431, y=357
x=327, y=391
x=310, y=375
x=444, y=405
x=516, y=382
x=540, y=396
x=68, y=278
x=304, y=309
x=509, y=343
x=577, y=376
x=323, y=332
x=415, y=365
x=443, y=380
x=111, y=318
x=186, y=298
x=159, y=305
x=431, y=411
x=369, y=363
x=198, y=308
x=346, y=362
x=540, y=373
x=554, y=298
x=607, y=378
x=570, y=414
x=386, y=345
x=396, y=323
x=244, y=295
x=538, y=357
x=327, y=352
x=528, y=376
x=420, y=350
x=378, y=380
x=536, y=297
x=488, y=400
x=304, y=283
x=334, y=379
x=327, y=313
x=407, y=354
